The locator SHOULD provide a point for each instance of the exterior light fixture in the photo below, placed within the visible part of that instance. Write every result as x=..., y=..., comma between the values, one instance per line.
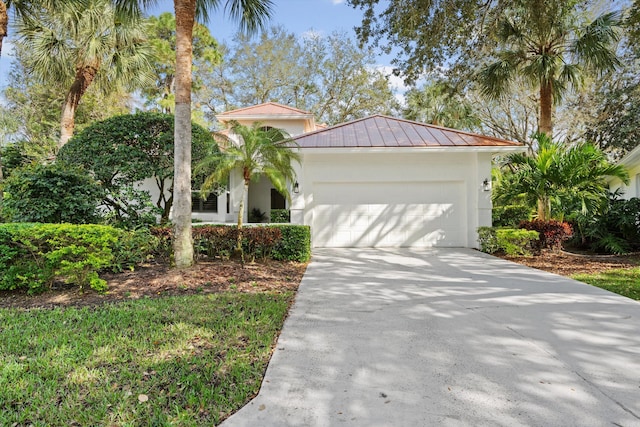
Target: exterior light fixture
x=296, y=187
x=486, y=185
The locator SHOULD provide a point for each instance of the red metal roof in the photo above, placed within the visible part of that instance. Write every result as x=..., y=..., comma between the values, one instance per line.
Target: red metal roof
x=266, y=109
x=383, y=131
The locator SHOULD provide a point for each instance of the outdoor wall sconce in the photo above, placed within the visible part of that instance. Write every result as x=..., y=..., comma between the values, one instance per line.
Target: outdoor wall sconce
x=486, y=185
x=296, y=187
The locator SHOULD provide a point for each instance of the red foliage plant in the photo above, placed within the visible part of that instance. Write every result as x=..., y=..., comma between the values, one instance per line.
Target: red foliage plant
x=552, y=232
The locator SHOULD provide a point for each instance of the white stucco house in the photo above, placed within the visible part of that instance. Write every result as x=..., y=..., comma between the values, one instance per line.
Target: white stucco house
x=374, y=182
x=632, y=162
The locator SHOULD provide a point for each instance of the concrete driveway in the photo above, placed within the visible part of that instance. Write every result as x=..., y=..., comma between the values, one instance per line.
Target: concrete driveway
x=399, y=337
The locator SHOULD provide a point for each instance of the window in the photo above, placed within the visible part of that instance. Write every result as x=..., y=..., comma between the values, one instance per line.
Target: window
x=277, y=200
x=210, y=204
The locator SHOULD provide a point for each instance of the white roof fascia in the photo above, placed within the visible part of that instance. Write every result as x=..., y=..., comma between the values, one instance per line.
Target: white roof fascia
x=631, y=157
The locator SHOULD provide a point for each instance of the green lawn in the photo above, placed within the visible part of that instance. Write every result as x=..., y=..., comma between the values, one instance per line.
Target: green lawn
x=624, y=281
x=184, y=361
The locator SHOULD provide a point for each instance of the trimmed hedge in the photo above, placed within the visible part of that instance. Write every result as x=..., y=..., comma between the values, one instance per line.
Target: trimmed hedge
x=281, y=216
x=295, y=244
x=511, y=241
x=285, y=242
x=33, y=256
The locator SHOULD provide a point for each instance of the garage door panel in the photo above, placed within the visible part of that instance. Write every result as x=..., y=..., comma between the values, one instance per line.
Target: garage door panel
x=421, y=214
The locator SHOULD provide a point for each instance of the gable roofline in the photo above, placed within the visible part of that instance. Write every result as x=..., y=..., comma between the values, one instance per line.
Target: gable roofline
x=464, y=136
x=631, y=157
x=265, y=110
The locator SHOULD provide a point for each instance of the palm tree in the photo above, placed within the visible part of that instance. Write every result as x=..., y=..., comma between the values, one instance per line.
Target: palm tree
x=438, y=104
x=95, y=46
x=252, y=15
x=573, y=176
x=541, y=47
x=256, y=151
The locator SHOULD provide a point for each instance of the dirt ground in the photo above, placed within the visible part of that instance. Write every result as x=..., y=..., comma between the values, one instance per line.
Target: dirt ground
x=566, y=264
x=156, y=280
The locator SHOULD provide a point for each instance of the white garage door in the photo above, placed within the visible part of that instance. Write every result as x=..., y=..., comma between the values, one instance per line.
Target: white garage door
x=383, y=214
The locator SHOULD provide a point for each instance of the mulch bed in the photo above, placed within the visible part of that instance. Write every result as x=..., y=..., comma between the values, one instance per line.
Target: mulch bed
x=567, y=264
x=156, y=280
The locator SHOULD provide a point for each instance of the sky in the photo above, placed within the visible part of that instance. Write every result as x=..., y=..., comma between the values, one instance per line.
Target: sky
x=296, y=16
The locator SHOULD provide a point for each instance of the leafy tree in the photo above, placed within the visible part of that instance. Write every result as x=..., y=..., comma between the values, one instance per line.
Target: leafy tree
x=328, y=76
x=251, y=14
x=256, y=151
x=77, y=49
x=428, y=35
x=438, y=103
x=51, y=193
x=124, y=150
x=163, y=39
x=558, y=176
x=540, y=43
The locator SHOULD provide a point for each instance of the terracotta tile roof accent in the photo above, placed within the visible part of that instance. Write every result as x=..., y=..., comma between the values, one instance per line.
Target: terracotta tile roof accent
x=266, y=109
x=383, y=131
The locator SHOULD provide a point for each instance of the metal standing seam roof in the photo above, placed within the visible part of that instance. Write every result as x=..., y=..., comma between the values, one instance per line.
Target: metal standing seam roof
x=384, y=131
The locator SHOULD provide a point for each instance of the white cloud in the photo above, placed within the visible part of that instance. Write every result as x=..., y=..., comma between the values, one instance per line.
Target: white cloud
x=337, y=1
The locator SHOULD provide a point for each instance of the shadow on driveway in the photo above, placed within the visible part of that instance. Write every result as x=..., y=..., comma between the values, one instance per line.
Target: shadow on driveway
x=449, y=337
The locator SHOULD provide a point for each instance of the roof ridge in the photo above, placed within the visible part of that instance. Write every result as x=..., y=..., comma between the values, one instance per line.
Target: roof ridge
x=429, y=125
x=270, y=103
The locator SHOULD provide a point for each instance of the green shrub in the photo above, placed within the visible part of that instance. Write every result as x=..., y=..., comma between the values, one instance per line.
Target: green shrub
x=285, y=242
x=511, y=241
x=516, y=241
x=488, y=240
x=34, y=255
x=51, y=193
x=510, y=215
x=295, y=244
x=280, y=216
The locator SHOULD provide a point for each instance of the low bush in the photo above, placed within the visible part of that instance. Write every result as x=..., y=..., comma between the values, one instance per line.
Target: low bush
x=511, y=241
x=295, y=244
x=53, y=193
x=32, y=256
x=552, y=233
x=488, y=240
x=510, y=215
x=285, y=242
x=280, y=216
x=517, y=242
x=614, y=230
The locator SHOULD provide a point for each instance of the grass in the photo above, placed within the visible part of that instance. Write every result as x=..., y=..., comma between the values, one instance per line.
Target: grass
x=182, y=361
x=624, y=281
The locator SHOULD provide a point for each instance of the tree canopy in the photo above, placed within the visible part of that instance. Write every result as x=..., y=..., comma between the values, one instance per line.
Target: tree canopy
x=326, y=75
x=126, y=149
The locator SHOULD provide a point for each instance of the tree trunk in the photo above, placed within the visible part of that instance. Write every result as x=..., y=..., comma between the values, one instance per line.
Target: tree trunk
x=544, y=209
x=4, y=22
x=245, y=191
x=546, y=109
x=85, y=75
x=185, y=11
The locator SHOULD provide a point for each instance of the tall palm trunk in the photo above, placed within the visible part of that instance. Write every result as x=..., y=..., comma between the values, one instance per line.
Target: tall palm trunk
x=544, y=208
x=546, y=109
x=4, y=22
x=245, y=191
x=185, y=11
x=84, y=77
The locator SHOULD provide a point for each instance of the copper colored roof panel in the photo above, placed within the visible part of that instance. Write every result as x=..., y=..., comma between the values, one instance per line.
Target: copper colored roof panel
x=383, y=131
